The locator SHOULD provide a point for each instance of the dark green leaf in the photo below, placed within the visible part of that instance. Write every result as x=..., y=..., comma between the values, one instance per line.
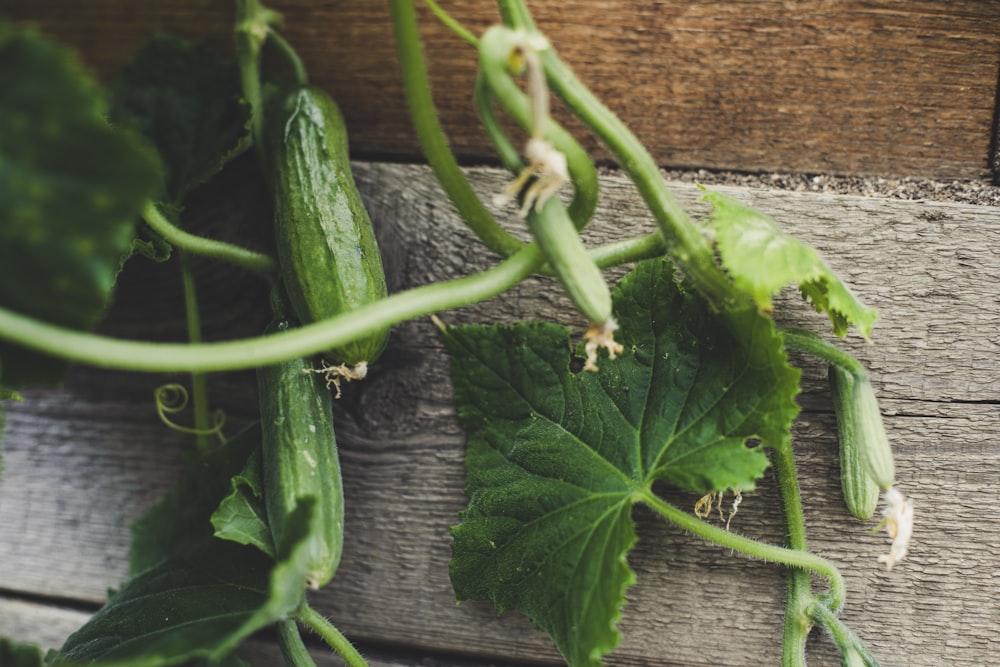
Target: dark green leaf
x=762, y=259
x=13, y=654
x=241, y=516
x=199, y=606
x=555, y=461
x=186, y=99
x=71, y=188
x=181, y=522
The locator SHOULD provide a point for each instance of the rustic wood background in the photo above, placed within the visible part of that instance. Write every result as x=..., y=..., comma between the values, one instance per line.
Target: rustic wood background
x=831, y=86
x=884, y=88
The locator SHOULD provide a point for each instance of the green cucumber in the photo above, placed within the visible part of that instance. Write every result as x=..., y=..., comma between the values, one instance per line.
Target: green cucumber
x=300, y=461
x=859, y=488
x=559, y=241
x=330, y=262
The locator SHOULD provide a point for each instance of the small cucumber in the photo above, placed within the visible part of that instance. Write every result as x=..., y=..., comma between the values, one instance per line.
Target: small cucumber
x=330, y=262
x=300, y=461
x=881, y=465
x=559, y=241
x=860, y=491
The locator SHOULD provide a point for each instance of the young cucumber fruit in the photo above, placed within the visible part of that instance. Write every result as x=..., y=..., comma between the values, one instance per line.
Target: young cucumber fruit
x=330, y=263
x=300, y=462
x=866, y=462
x=860, y=490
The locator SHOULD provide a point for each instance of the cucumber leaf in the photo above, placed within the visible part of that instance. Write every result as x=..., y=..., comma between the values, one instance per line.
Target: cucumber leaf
x=555, y=460
x=198, y=606
x=761, y=259
x=71, y=188
x=242, y=516
x=185, y=98
x=13, y=654
x=180, y=523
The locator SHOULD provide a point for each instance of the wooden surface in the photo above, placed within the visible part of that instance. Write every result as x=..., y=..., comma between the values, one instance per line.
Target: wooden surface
x=84, y=461
x=829, y=86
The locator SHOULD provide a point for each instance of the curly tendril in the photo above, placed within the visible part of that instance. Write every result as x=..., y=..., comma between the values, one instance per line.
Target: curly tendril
x=173, y=398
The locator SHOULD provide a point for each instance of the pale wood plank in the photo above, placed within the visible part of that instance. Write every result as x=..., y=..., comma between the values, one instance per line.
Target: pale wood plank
x=820, y=86
x=83, y=461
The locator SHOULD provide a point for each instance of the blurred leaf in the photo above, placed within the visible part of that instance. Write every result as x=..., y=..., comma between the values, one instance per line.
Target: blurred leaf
x=13, y=654
x=71, y=189
x=185, y=98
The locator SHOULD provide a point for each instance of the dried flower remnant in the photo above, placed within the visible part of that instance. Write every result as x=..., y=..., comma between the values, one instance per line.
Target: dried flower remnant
x=898, y=523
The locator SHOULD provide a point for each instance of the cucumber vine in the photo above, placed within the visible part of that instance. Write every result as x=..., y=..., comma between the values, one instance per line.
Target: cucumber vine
x=686, y=379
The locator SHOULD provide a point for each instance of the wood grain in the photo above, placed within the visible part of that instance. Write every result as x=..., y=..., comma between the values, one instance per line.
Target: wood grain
x=828, y=86
x=84, y=461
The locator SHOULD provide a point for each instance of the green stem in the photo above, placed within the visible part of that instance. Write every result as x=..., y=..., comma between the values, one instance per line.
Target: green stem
x=454, y=25
x=788, y=557
x=482, y=97
x=199, y=385
x=247, y=259
x=293, y=649
x=684, y=240
x=251, y=352
x=291, y=58
x=432, y=138
x=847, y=642
x=253, y=22
x=332, y=636
x=617, y=253
x=810, y=343
x=796, y=625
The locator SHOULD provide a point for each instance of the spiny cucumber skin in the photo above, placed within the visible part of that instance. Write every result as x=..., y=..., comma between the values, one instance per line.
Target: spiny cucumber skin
x=559, y=241
x=300, y=461
x=330, y=262
x=860, y=490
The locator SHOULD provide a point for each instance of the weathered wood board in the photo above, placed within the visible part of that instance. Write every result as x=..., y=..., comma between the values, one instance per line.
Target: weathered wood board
x=84, y=461
x=841, y=86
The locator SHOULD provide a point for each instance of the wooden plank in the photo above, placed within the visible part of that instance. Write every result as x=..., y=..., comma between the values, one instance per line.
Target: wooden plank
x=47, y=627
x=818, y=86
x=83, y=461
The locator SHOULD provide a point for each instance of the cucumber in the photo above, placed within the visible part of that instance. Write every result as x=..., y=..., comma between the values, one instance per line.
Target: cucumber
x=859, y=488
x=300, y=461
x=580, y=277
x=330, y=262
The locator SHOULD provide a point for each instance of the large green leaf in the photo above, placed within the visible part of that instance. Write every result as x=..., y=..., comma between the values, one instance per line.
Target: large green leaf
x=555, y=460
x=199, y=606
x=71, y=189
x=761, y=259
x=186, y=99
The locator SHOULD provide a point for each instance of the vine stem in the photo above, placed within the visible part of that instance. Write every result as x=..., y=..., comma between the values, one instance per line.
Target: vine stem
x=432, y=138
x=252, y=352
x=451, y=23
x=799, y=596
x=291, y=57
x=789, y=557
x=199, y=384
x=842, y=636
x=199, y=245
x=811, y=343
x=293, y=649
x=331, y=635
